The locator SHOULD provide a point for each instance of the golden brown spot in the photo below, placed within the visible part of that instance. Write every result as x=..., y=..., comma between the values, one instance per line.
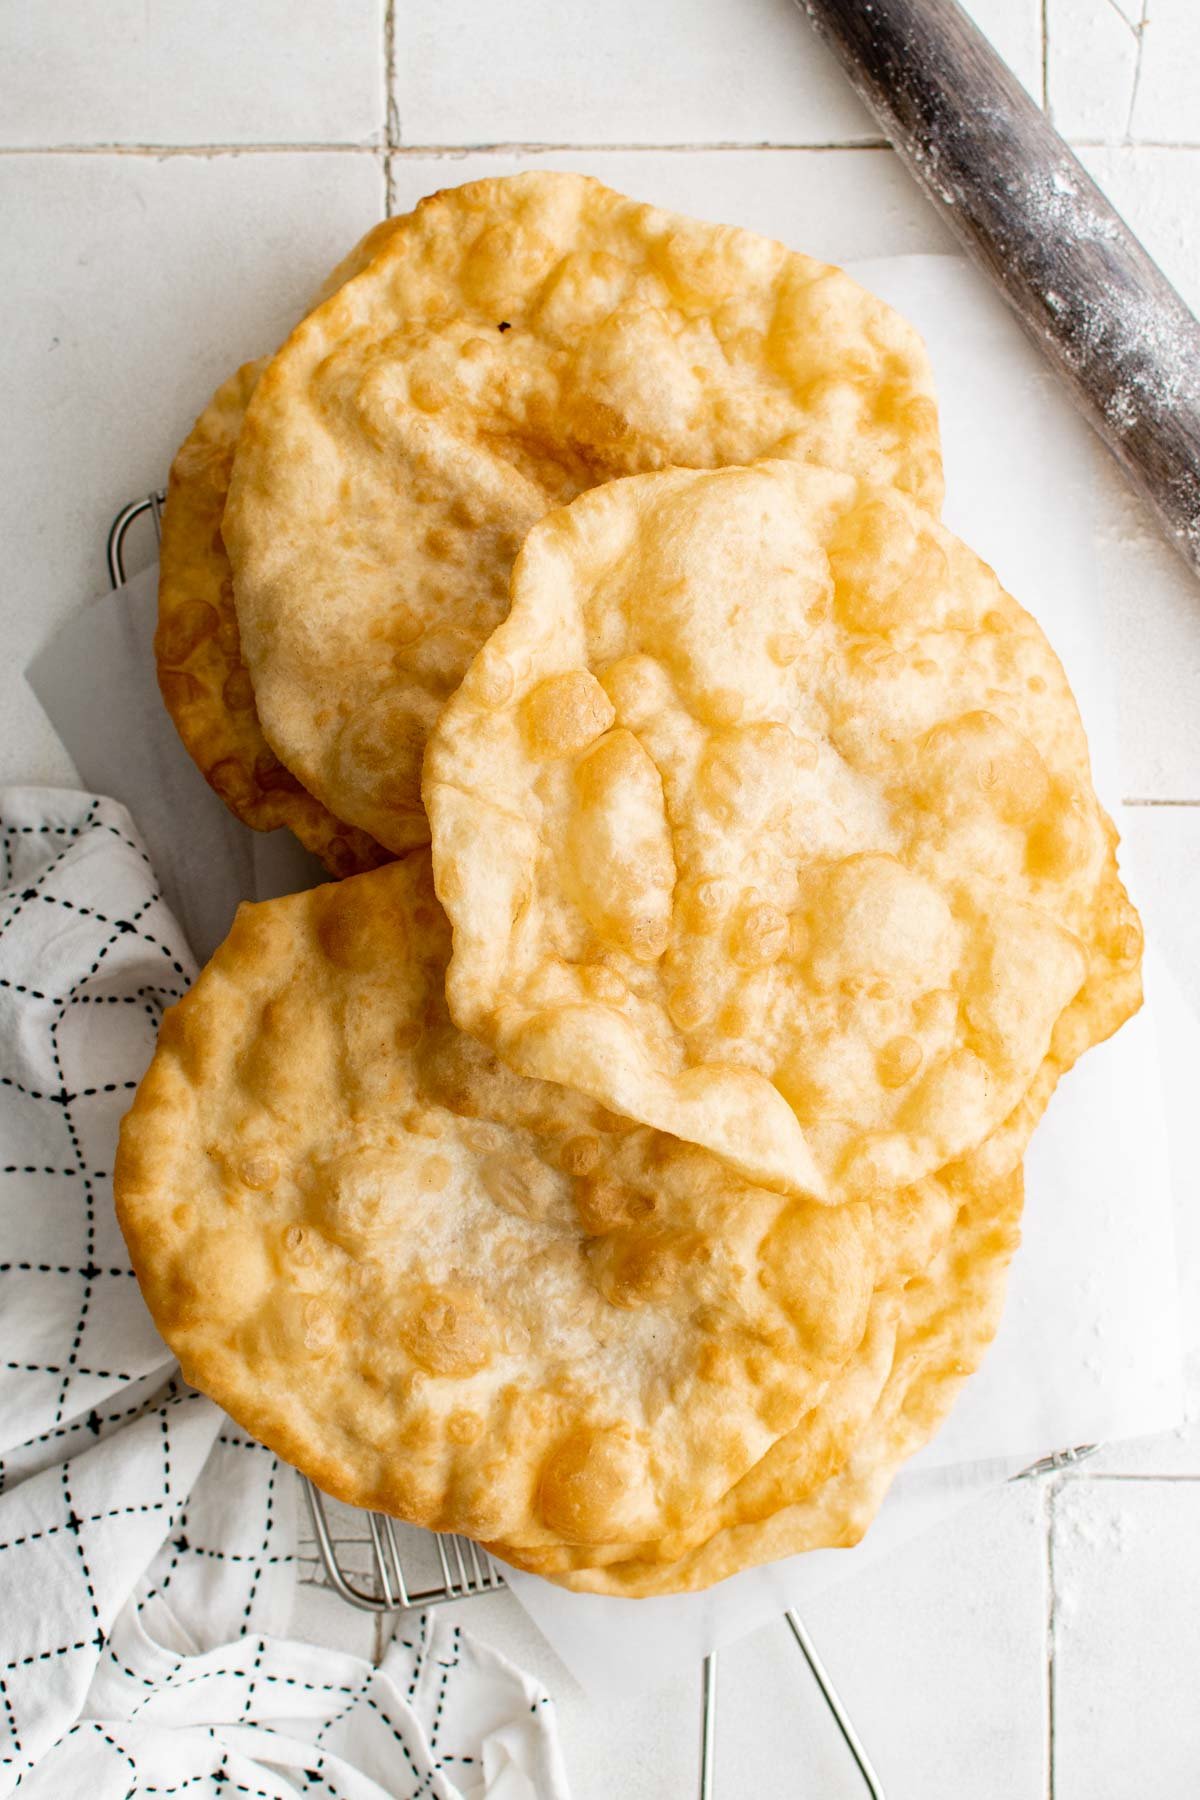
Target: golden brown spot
x=519, y=1184
x=1127, y=938
x=799, y=938
x=178, y=688
x=426, y=1122
x=723, y=706
x=634, y=1268
x=271, y=776
x=818, y=1262
x=258, y=1172
x=482, y=1138
x=232, y=781
x=567, y=712
x=898, y=1061
x=735, y=1019
x=646, y=937
x=382, y=744
x=404, y=626
x=353, y=936
x=1054, y=848
x=464, y=1428
x=584, y=1482
x=604, y=1206
x=182, y=633
x=447, y=1332
x=978, y=760
x=888, y=570
x=228, y=641
x=785, y=647
x=689, y=1004
x=238, y=691
x=603, y=983
x=429, y=390
x=704, y=904
x=580, y=1155
x=759, y=936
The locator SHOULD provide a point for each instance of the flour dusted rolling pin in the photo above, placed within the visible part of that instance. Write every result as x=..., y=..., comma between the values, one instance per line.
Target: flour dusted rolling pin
x=1026, y=209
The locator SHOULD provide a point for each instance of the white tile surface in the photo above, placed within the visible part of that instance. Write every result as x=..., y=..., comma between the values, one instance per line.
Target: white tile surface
x=643, y=1747
x=1125, y=70
x=1162, y=850
x=205, y=72
x=1167, y=105
x=1152, y=601
x=940, y=1659
x=129, y=287
x=1091, y=67
x=836, y=204
x=1160, y=856
x=1126, y=1640
x=674, y=72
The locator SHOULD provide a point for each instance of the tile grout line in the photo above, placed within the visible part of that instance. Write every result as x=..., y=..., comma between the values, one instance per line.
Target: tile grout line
x=1143, y=801
x=1046, y=60
x=1176, y=1476
x=1137, y=69
x=531, y=148
x=534, y=147
x=1051, y=1493
x=550, y=146
x=491, y=147
x=391, y=113
x=162, y=152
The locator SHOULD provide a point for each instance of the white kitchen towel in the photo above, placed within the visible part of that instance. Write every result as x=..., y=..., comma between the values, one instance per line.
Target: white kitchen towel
x=147, y=1547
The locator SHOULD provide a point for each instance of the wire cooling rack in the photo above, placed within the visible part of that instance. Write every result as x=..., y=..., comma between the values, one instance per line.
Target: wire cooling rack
x=413, y=1569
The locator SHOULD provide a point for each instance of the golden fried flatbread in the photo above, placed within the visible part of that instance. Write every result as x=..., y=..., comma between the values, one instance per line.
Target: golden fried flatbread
x=516, y=342
x=915, y=1226
x=474, y=1301
x=203, y=680
x=802, y=1497
x=766, y=818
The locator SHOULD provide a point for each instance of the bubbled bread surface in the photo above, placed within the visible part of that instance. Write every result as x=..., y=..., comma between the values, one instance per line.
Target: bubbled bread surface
x=516, y=342
x=766, y=818
x=476, y=1301
x=822, y=1484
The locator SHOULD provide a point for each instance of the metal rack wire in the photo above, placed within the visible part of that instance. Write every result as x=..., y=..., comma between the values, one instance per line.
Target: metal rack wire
x=466, y=1571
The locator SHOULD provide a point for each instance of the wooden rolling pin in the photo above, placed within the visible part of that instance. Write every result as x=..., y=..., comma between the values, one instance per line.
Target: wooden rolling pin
x=1029, y=213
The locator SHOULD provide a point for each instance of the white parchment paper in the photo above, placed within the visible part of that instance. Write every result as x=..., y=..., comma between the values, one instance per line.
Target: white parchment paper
x=1089, y=1348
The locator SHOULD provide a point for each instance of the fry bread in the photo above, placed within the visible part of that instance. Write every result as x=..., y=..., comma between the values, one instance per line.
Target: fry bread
x=766, y=818
x=515, y=342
